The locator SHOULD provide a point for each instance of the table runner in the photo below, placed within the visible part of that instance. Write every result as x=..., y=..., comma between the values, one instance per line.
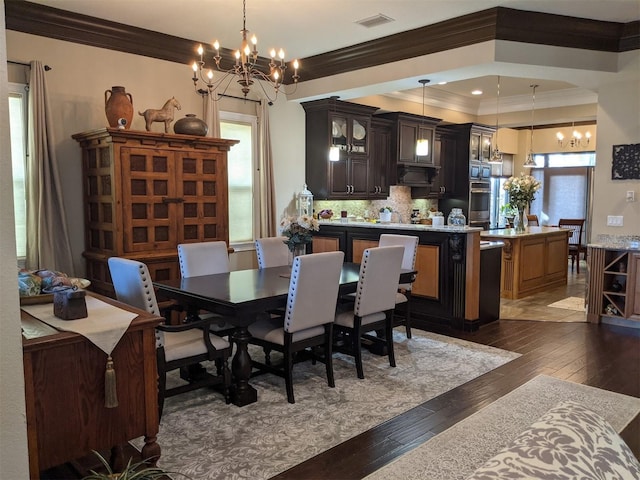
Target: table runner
x=104, y=326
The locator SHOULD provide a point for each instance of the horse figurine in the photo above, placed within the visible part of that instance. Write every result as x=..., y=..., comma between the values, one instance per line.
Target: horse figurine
x=165, y=114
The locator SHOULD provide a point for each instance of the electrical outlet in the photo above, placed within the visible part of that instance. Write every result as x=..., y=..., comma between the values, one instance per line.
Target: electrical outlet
x=615, y=220
x=631, y=196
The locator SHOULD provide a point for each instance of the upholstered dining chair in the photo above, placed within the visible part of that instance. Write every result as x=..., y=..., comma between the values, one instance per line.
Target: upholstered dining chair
x=177, y=346
x=403, y=296
x=308, y=318
x=532, y=220
x=373, y=306
x=206, y=258
x=272, y=252
x=576, y=247
x=203, y=258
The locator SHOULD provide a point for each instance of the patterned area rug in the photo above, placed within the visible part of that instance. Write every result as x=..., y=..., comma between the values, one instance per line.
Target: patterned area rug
x=489, y=430
x=202, y=437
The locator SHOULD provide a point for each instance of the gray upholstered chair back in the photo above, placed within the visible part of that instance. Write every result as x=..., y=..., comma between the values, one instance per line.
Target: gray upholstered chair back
x=133, y=286
x=313, y=290
x=410, y=244
x=203, y=258
x=378, y=283
x=132, y=283
x=272, y=252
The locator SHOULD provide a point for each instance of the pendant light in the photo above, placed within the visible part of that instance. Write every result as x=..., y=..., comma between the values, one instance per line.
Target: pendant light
x=530, y=162
x=334, y=150
x=422, y=145
x=496, y=155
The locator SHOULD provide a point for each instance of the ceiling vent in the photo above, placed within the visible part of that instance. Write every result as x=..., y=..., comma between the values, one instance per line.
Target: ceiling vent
x=374, y=21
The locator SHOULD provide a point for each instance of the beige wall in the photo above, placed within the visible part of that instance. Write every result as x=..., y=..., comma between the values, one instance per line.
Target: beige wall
x=618, y=124
x=13, y=428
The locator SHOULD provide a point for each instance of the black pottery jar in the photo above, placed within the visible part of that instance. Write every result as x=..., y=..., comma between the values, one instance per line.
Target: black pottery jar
x=191, y=125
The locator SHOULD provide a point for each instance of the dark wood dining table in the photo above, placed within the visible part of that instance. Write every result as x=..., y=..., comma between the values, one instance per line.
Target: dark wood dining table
x=241, y=296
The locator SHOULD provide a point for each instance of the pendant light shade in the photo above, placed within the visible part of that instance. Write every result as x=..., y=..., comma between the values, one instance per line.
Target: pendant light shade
x=529, y=161
x=422, y=145
x=496, y=155
x=334, y=153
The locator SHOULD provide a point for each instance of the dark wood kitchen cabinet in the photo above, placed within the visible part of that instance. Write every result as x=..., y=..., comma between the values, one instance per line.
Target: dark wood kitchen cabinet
x=380, y=158
x=347, y=126
x=406, y=129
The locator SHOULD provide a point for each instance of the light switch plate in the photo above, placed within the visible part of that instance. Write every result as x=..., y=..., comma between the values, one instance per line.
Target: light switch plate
x=615, y=220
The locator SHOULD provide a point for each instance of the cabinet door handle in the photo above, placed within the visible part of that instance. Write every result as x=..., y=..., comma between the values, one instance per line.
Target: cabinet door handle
x=172, y=200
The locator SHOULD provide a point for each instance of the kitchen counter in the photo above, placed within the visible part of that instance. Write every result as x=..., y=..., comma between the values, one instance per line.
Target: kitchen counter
x=532, y=261
x=529, y=232
x=447, y=288
x=416, y=227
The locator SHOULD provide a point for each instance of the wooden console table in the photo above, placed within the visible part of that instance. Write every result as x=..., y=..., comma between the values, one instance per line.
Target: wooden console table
x=64, y=392
x=532, y=261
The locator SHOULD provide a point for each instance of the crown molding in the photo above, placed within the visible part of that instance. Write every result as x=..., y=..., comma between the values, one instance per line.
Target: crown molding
x=493, y=24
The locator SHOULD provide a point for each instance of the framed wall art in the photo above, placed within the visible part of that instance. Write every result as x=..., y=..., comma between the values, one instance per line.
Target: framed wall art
x=626, y=162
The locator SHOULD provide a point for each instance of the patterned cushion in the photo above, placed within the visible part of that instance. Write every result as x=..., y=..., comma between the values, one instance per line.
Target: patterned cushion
x=568, y=442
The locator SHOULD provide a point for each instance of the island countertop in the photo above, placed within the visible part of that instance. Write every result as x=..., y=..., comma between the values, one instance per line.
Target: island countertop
x=530, y=231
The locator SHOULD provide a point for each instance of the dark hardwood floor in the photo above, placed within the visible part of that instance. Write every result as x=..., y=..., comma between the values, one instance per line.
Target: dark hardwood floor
x=603, y=356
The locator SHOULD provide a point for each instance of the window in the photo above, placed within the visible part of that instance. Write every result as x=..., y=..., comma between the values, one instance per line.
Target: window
x=566, y=181
x=18, y=130
x=243, y=178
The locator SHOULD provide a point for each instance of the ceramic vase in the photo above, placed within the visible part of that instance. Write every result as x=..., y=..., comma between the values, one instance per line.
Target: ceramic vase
x=191, y=125
x=118, y=105
x=520, y=225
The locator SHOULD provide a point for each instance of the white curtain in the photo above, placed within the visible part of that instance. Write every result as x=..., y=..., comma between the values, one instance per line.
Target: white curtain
x=268, y=220
x=212, y=114
x=48, y=243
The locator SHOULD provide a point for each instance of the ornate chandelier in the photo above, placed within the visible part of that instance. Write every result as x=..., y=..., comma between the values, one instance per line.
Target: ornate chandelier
x=246, y=70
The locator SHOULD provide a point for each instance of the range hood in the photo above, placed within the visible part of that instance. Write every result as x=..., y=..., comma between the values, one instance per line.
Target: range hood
x=416, y=176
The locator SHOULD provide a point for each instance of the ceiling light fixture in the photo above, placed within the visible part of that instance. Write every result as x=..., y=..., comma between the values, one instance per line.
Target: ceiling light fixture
x=530, y=162
x=422, y=145
x=576, y=140
x=334, y=150
x=476, y=92
x=246, y=70
x=496, y=155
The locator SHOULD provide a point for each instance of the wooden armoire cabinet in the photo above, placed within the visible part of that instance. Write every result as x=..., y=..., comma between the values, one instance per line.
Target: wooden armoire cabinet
x=147, y=192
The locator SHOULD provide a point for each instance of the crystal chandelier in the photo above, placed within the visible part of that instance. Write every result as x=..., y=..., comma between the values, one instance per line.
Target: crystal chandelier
x=246, y=70
x=496, y=155
x=530, y=162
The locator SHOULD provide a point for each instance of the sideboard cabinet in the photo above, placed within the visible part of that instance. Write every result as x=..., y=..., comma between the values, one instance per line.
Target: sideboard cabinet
x=145, y=193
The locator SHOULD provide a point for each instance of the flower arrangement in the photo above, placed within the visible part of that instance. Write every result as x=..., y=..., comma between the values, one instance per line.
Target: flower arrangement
x=522, y=190
x=298, y=230
x=386, y=209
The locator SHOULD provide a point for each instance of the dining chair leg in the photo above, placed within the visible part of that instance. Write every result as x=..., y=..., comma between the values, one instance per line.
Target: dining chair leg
x=328, y=355
x=389, y=335
x=288, y=375
x=357, y=352
x=408, y=315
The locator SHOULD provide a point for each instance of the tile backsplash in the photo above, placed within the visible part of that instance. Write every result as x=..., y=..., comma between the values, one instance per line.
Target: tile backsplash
x=399, y=200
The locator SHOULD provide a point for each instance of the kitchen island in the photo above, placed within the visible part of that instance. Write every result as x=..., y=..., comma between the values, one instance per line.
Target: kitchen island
x=532, y=261
x=446, y=291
